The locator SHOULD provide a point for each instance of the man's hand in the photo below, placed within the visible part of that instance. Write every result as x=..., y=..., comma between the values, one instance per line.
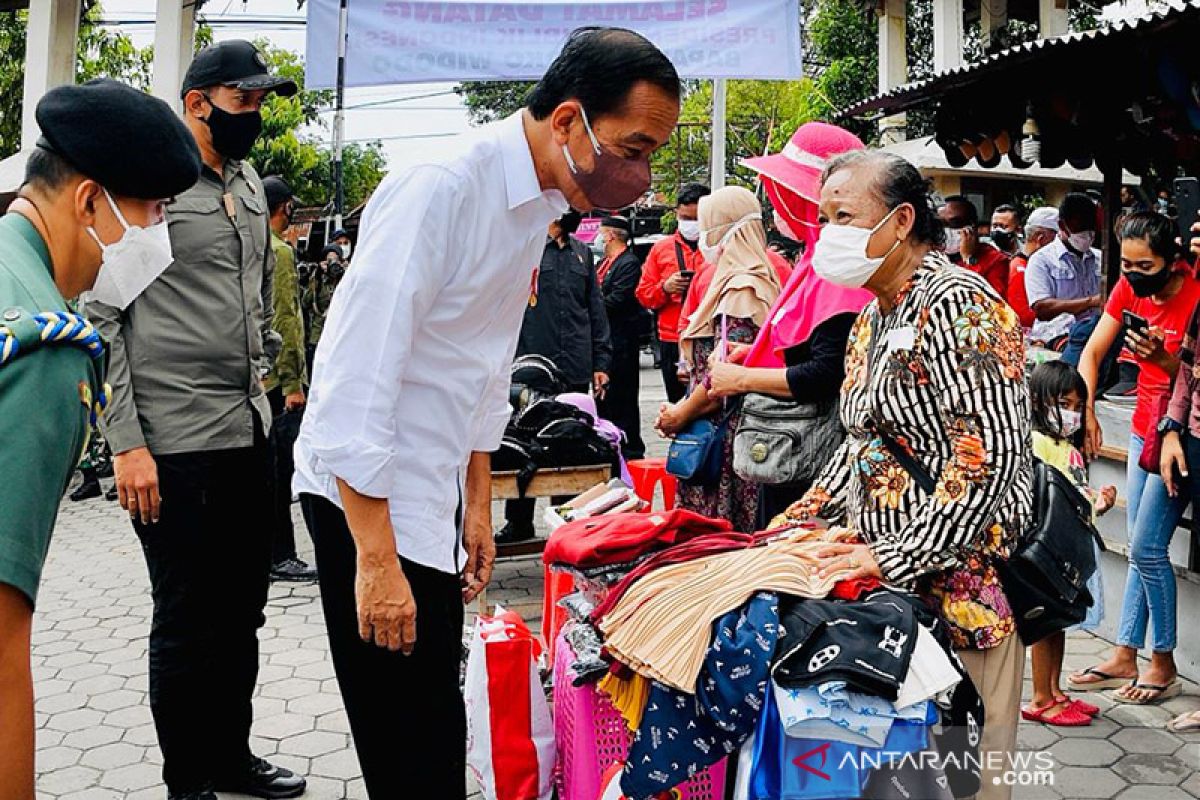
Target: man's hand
x=1094, y=439
x=1172, y=461
x=481, y=556
x=1096, y=301
x=294, y=401
x=676, y=284
x=137, y=484
x=387, y=612
x=600, y=383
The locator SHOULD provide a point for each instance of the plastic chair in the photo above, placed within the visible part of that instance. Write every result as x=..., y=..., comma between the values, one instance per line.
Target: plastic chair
x=648, y=473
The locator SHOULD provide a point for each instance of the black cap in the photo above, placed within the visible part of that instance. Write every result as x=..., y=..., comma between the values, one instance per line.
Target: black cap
x=336, y=249
x=277, y=191
x=129, y=142
x=339, y=232
x=620, y=223
x=234, y=63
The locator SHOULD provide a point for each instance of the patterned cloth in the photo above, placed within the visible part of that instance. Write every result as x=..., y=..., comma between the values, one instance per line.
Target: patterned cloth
x=832, y=711
x=731, y=498
x=943, y=374
x=682, y=734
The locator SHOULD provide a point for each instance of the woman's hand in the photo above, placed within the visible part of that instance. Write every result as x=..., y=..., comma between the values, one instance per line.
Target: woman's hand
x=1094, y=439
x=737, y=353
x=1105, y=500
x=726, y=380
x=1172, y=461
x=670, y=421
x=1148, y=346
x=858, y=558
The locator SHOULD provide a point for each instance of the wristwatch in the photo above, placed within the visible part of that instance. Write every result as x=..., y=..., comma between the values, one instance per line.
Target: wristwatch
x=1168, y=425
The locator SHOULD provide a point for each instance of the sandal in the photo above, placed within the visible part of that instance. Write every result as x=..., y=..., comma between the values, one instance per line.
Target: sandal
x=1160, y=692
x=1069, y=717
x=1087, y=708
x=1185, y=723
x=1107, y=681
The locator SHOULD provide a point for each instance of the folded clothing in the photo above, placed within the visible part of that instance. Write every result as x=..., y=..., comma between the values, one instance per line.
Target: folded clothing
x=868, y=643
x=680, y=735
x=832, y=711
x=620, y=538
x=931, y=674
x=659, y=626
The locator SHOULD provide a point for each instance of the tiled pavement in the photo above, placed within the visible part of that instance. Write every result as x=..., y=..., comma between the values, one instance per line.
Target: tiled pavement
x=96, y=740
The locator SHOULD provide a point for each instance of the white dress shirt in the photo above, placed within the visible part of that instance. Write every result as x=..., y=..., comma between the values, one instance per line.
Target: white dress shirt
x=412, y=372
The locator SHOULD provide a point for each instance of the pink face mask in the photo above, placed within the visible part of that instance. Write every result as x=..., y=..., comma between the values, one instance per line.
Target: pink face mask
x=613, y=181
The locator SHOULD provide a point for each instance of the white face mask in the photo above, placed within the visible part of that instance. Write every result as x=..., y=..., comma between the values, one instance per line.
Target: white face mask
x=1071, y=422
x=840, y=255
x=345, y=250
x=1081, y=242
x=689, y=229
x=953, y=240
x=131, y=263
x=712, y=253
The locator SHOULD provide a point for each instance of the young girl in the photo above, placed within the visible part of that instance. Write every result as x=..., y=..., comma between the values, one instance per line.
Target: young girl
x=1059, y=397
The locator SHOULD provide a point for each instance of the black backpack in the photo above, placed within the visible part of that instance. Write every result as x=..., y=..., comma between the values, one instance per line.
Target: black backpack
x=548, y=434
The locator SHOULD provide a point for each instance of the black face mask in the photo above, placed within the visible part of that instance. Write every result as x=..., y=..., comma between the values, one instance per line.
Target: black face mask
x=1003, y=238
x=233, y=134
x=1145, y=285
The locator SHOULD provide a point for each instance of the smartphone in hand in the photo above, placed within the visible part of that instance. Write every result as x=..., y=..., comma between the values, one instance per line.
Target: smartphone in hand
x=1187, y=203
x=1136, y=323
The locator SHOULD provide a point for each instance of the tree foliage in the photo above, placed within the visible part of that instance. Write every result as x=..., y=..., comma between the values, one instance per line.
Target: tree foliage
x=101, y=52
x=488, y=101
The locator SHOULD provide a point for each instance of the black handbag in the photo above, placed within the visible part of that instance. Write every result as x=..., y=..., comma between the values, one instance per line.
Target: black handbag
x=1045, y=578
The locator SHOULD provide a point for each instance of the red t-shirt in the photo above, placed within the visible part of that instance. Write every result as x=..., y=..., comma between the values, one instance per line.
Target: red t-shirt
x=1172, y=316
x=992, y=265
x=1017, y=297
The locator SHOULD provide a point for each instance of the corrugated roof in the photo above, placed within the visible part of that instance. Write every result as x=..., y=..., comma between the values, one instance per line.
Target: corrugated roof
x=910, y=95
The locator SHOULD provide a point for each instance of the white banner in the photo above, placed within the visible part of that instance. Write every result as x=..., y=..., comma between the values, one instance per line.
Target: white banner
x=420, y=42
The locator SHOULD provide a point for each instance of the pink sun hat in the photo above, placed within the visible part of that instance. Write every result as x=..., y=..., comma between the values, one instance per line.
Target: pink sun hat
x=804, y=158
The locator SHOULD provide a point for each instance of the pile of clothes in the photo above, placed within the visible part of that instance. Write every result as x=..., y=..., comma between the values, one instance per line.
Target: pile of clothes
x=714, y=645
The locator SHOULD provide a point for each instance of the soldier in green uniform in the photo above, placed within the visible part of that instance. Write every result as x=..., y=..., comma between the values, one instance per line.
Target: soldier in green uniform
x=88, y=217
x=319, y=293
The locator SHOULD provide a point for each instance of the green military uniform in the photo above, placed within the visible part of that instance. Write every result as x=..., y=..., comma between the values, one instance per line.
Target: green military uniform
x=47, y=396
x=289, y=372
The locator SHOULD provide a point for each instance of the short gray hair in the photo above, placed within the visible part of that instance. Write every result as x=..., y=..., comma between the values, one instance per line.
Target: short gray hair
x=896, y=182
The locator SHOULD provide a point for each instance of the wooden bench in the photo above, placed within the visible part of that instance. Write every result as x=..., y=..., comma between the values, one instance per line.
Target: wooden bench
x=563, y=481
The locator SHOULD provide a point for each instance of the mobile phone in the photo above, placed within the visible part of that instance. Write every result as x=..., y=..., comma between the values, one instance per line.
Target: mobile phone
x=1135, y=322
x=1187, y=204
x=687, y=274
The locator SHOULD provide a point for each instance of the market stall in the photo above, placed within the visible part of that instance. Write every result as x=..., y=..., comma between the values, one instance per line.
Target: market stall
x=1125, y=99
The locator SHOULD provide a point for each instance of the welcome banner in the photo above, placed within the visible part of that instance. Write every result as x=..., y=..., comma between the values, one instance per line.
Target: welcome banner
x=420, y=42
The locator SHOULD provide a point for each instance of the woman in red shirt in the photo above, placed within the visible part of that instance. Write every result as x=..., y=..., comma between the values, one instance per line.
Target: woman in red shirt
x=1159, y=287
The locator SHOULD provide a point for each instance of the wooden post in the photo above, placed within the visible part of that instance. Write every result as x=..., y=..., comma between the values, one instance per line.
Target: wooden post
x=893, y=64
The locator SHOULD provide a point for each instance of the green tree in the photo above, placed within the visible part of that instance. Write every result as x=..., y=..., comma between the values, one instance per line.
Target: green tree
x=488, y=101
x=100, y=52
x=842, y=39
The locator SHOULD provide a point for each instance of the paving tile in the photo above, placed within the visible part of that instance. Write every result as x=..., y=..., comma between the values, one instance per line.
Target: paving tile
x=1153, y=793
x=341, y=764
x=1142, y=768
x=1136, y=740
x=1086, y=753
x=1087, y=782
x=313, y=744
x=94, y=736
x=66, y=780
x=111, y=756
x=282, y=726
x=133, y=777
x=54, y=758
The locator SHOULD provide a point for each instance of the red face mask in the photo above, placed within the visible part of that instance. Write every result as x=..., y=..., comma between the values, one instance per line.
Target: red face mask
x=613, y=181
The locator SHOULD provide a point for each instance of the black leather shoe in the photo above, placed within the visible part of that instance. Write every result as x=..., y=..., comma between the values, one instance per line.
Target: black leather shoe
x=88, y=489
x=293, y=569
x=511, y=534
x=112, y=493
x=262, y=779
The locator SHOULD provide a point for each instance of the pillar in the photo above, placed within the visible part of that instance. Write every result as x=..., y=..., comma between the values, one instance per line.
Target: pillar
x=993, y=15
x=174, y=41
x=947, y=34
x=50, y=39
x=893, y=64
x=1052, y=18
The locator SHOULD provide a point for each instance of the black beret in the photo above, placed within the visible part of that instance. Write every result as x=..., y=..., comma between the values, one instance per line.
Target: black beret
x=620, y=223
x=129, y=142
x=277, y=191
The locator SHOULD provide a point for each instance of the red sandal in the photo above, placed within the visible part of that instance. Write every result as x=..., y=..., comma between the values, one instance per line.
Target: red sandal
x=1068, y=717
x=1087, y=708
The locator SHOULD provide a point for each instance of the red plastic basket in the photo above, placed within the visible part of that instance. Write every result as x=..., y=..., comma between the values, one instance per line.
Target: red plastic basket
x=590, y=736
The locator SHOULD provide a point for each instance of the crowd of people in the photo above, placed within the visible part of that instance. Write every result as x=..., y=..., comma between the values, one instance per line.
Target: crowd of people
x=881, y=384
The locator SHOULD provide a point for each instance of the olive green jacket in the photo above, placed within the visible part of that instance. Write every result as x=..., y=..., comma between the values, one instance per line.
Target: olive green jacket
x=289, y=373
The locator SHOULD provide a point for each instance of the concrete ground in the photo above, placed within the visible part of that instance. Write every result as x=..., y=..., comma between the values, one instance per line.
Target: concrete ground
x=96, y=740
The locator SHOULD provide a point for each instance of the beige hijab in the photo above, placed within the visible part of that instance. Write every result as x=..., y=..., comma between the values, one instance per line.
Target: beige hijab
x=745, y=285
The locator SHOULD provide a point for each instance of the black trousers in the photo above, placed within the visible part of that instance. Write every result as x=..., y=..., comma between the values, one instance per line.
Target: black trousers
x=285, y=428
x=669, y=365
x=406, y=712
x=209, y=560
x=620, y=403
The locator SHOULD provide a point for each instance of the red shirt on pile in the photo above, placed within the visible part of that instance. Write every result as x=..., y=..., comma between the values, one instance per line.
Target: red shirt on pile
x=621, y=538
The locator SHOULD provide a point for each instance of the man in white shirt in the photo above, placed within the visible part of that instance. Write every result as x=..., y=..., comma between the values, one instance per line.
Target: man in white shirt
x=410, y=389
x=1062, y=280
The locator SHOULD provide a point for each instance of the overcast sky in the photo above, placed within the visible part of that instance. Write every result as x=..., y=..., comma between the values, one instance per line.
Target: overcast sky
x=427, y=118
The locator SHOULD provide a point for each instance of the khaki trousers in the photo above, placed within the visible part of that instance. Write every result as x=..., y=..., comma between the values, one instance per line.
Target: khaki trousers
x=997, y=673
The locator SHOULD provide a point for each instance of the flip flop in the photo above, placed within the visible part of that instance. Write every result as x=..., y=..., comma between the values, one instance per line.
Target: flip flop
x=1172, y=689
x=1106, y=681
x=1185, y=723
